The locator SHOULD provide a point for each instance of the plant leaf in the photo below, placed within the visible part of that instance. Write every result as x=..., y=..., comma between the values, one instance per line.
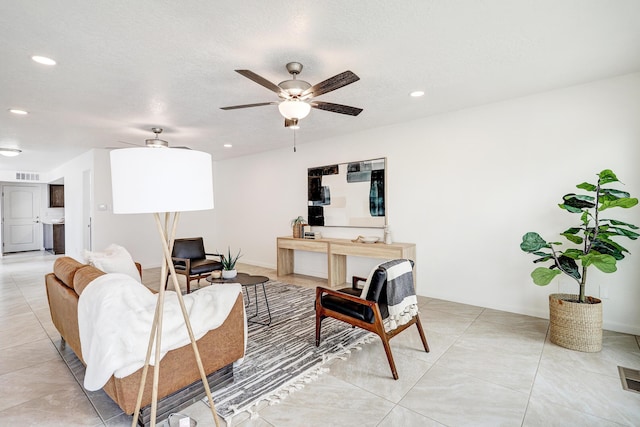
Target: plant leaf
x=616, y=222
x=542, y=276
x=618, y=194
x=569, y=266
x=547, y=257
x=570, y=208
x=603, y=262
x=607, y=176
x=587, y=186
x=573, y=253
x=608, y=247
x=578, y=201
x=574, y=239
x=626, y=202
x=624, y=232
x=572, y=230
x=532, y=242
x=585, y=218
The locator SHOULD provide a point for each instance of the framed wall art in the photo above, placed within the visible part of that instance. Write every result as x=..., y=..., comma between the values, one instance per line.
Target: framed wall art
x=348, y=194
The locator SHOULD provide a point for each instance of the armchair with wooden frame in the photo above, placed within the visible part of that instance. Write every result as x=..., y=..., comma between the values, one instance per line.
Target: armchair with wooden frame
x=367, y=313
x=190, y=260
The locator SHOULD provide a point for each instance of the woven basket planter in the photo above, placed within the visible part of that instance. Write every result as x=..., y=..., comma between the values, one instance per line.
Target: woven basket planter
x=573, y=325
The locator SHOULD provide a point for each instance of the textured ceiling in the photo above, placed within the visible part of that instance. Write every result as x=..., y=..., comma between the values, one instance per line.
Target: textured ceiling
x=126, y=66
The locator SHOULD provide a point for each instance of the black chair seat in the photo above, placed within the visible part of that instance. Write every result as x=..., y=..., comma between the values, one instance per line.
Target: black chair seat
x=201, y=266
x=348, y=308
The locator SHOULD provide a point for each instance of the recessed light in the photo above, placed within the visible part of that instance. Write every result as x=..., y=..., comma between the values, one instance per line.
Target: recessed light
x=417, y=93
x=16, y=111
x=10, y=152
x=43, y=60
x=228, y=145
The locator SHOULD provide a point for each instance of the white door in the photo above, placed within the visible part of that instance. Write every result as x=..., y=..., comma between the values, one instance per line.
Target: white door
x=21, y=229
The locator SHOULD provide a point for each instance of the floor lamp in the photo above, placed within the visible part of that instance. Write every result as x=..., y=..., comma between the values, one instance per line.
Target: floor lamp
x=162, y=181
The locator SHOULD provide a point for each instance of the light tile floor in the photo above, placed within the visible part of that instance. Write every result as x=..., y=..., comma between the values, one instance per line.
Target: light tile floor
x=485, y=367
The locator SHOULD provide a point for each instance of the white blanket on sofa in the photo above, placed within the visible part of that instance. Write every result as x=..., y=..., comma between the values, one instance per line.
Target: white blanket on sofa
x=115, y=314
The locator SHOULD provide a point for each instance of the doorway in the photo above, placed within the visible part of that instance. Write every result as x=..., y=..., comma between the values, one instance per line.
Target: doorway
x=21, y=225
x=87, y=238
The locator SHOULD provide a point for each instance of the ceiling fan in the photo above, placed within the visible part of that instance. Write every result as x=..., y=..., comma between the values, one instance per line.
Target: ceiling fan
x=154, y=142
x=297, y=96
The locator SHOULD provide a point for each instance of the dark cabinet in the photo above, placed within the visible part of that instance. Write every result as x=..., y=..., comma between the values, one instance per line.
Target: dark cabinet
x=54, y=238
x=56, y=196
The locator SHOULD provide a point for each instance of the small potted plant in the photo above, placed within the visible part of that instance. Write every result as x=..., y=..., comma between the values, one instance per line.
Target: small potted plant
x=229, y=264
x=576, y=320
x=297, y=224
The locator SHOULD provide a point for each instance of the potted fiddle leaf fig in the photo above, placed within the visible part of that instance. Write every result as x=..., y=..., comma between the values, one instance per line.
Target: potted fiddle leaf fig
x=576, y=320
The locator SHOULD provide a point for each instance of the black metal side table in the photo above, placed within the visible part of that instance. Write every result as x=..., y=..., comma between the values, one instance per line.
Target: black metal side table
x=248, y=280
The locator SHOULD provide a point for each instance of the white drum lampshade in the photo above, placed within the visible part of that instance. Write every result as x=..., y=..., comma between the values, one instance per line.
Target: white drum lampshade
x=153, y=180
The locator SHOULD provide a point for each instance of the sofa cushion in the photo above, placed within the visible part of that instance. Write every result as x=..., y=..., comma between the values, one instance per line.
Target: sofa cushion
x=84, y=276
x=65, y=269
x=114, y=259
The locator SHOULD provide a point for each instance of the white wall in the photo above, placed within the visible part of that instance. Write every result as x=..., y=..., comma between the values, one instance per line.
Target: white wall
x=71, y=172
x=464, y=186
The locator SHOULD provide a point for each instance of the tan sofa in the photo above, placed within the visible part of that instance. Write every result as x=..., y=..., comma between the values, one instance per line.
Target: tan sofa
x=219, y=348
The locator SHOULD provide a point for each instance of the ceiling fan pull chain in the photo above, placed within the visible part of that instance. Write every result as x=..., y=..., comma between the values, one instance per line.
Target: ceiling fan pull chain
x=294, y=140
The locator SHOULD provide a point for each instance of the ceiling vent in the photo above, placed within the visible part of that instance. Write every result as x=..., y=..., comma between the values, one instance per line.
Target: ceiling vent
x=27, y=176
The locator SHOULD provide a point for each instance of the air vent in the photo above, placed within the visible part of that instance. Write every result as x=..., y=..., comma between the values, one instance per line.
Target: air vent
x=27, y=176
x=630, y=379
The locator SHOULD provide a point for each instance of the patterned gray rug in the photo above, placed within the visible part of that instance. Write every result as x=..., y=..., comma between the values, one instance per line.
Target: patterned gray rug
x=280, y=358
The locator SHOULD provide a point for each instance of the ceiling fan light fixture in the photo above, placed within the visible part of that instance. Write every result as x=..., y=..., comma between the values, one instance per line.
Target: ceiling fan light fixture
x=291, y=124
x=294, y=109
x=156, y=142
x=10, y=152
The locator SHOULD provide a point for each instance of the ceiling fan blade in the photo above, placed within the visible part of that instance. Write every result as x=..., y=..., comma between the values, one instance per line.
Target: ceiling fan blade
x=260, y=80
x=260, y=104
x=332, y=83
x=336, y=108
x=130, y=143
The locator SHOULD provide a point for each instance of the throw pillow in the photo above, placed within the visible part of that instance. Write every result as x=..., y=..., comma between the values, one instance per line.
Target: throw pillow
x=114, y=259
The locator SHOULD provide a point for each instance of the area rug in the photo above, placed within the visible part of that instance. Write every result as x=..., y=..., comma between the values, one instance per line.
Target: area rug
x=282, y=357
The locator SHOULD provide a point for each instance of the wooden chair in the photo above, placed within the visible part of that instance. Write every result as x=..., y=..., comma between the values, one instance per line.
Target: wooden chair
x=190, y=260
x=347, y=305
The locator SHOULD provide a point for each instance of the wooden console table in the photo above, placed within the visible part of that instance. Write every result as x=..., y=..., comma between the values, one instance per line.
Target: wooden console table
x=337, y=251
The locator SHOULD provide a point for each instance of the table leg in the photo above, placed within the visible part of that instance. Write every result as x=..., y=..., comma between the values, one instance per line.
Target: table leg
x=285, y=262
x=337, y=270
x=248, y=297
x=266, y=300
